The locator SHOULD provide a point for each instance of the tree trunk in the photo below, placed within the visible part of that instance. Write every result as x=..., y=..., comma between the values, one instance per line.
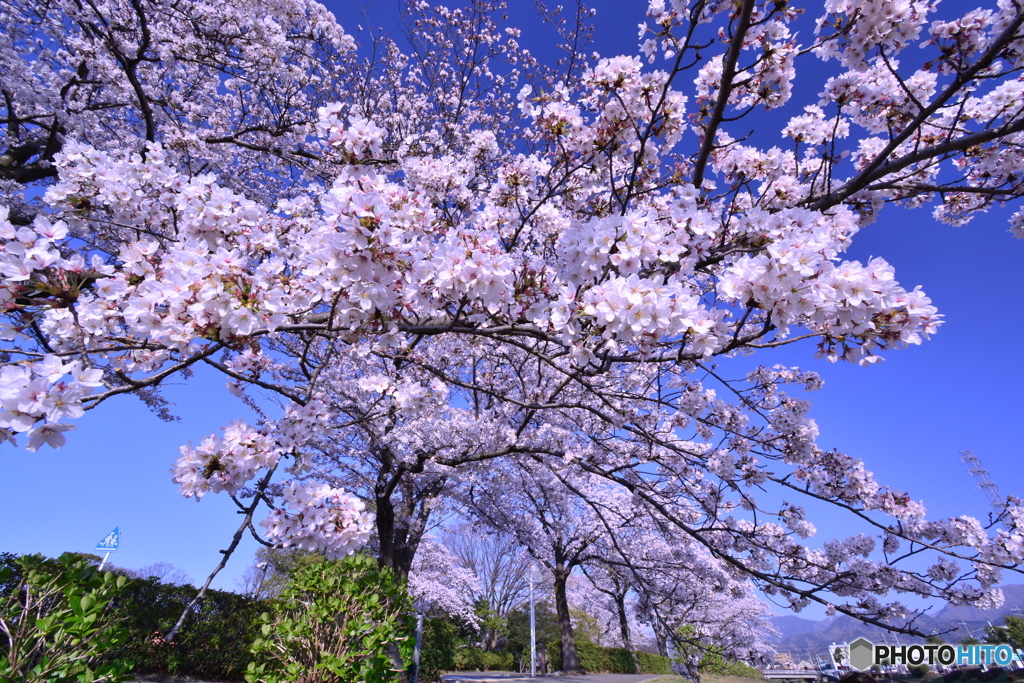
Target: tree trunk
x=627, y=639
x=385, y=522
x=659, y=636
x=570, y=659
x=399, y=533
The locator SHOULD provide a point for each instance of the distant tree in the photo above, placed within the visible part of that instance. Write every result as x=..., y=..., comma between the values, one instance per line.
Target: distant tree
x=271, y=569
x=440, y=586
x=970, y=640
x=493, y=626
x=585, y=626
x=547, y=630
x=165, y=572
x=501, y=564
x=1011, y=632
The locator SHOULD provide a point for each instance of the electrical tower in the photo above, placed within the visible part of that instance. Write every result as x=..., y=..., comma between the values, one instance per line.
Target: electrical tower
x=985, y=482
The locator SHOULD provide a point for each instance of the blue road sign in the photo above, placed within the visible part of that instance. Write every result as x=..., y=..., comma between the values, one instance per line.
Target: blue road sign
x=109, y=543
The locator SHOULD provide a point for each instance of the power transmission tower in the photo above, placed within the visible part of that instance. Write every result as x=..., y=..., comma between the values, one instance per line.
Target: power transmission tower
x=984, y=482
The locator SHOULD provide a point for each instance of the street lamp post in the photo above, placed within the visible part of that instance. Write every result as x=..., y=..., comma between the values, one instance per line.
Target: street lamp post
x=416, y=649
x=534, y=576
x=263, y=567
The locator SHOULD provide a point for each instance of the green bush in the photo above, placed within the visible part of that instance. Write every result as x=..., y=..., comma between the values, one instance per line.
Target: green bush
x=919, y=670
x=438, y=652
x=712, y=662
x=336, y=622
x=469, y=659
x=58, y=623
x=498, y=661
x=475, y=659
x=213, y=644
x=597, y=659
x=555, y=655
x=656, y=664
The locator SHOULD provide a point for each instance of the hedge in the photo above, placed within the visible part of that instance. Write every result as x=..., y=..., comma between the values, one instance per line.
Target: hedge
x=654, y=664
x=475, y=659
x=613, y=660
x=214, y=643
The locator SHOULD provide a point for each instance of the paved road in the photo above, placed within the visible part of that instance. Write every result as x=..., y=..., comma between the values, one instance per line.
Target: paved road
x=501, y=677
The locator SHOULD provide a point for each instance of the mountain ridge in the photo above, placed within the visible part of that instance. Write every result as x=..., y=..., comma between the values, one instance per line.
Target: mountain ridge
x=953, y=623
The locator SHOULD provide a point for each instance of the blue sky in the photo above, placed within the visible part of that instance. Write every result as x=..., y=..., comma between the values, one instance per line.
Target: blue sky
x=908, y=417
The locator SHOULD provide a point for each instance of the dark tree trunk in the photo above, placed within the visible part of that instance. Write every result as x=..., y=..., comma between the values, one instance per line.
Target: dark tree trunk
x=627, y=638
x=400, y=539
x=385, y=530
x=570, y=659
x=659, y=636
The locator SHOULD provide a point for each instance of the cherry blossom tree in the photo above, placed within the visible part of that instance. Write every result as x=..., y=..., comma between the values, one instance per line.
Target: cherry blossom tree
x=440, y=584
x=553, y=523
x=447, y=259
x=611, y=584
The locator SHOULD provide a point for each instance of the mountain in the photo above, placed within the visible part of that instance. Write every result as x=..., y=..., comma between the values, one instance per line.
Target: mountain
x=798, y=635
x=1014, y=599
x=790, y=626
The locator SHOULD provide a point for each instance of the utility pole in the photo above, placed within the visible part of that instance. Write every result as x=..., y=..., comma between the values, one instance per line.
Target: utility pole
x=534, y=576
x=966, y=628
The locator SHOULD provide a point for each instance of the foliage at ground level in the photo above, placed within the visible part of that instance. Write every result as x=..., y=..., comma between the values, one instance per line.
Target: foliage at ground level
x=705, y=678
x=616, y=660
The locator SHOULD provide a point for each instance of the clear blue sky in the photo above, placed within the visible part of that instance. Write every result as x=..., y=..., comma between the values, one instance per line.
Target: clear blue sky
x=908, y=417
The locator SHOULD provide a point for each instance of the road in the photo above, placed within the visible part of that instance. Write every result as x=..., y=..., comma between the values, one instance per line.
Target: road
x=501, y=677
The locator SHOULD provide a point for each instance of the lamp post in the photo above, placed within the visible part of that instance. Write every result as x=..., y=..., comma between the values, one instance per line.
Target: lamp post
x=534, y=576
x=263, y=567
x=416, y=649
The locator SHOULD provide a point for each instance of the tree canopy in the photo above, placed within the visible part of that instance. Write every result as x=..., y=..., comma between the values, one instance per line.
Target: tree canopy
x=444, y=271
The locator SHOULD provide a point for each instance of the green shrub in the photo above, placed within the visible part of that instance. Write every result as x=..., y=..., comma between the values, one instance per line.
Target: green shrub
x=337, y=622
x=469, y=659
x=438, y=652
x=919, y=670
x=712, y=662
x=597, y=659
x=656, y=664
x=497, y=661
x=59, y=627
x=213, y=644
x=555, y=655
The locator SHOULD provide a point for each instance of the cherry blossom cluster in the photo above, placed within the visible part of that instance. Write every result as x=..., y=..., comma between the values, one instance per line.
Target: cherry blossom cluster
x=225, y=463
x=36, y=396
x=317, y=517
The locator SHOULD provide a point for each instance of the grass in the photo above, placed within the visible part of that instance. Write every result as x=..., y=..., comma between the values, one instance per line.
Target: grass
x=705, y=678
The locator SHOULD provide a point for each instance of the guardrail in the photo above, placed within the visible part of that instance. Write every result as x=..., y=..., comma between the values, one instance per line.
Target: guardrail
x=790, y=673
